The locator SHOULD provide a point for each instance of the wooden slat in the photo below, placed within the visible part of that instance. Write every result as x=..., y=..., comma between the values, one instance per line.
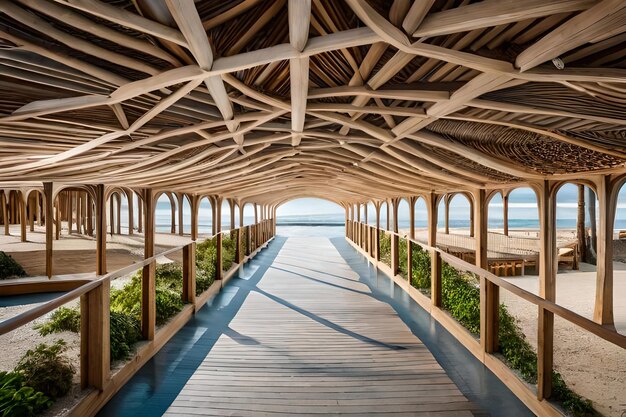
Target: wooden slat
x=364, y=355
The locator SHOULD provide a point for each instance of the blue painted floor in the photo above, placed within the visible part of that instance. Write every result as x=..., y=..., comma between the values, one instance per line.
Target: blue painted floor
x=151, y=391
x=20, y=300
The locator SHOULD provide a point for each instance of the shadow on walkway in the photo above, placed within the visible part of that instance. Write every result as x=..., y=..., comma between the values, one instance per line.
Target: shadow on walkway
x=474, y=380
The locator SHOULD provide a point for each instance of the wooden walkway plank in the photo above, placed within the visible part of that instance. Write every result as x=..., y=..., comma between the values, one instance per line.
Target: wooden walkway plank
x=310, y=339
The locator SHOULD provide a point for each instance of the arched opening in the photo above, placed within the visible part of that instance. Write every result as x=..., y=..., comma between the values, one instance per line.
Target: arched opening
x=225, y=220
x=310, y=217
x=186, y=214
x=205, y=217
x=248, y=214
x=454, y=226
x=384, y=215
x=165, y=214
x=404, y=210
x=420, y=213
x=371, y=214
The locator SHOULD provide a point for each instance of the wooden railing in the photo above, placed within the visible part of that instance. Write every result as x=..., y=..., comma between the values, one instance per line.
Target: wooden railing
x=483, y=348
x=95, y=322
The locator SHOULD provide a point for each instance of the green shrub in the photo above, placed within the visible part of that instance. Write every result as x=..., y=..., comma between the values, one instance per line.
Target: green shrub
x=17, y=400
x=420, y=268
x=62, y=319
x=9, y=268
x=244, y=241
x=125, y=329
x=169, y=284
x=385, y=247
x=229, y=248
x=461, y=297
x=402, y=257
x=125, y=332
x=47, y=369
x=206, y=261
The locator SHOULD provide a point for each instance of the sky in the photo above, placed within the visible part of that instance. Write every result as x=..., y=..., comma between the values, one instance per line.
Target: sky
x=567, y=198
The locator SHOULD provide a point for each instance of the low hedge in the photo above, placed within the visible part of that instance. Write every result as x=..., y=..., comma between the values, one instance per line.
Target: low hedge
x=41, y=376
x=206, y=265
x=420, y=268
x=461, y=297
x=169, y=286
x=9, y=267
x=384, y=246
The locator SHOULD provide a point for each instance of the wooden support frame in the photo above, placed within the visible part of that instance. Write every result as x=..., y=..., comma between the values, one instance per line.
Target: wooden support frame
x=101, y=231
x=49, y=201
x=148, y=280
x=95, y=337
x=189, y=273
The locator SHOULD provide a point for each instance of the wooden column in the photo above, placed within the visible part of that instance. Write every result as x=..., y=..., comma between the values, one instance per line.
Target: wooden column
x=181, y=198
x=412, y=202
x=446, y=216
x=241, y=207
x=58, y=219
x=38, y=209
x=4, y=199
x=85, y=212
x=95, y=327
x=23, y=218
x=172, y=212
x=377, y=205
x=70, y=215
x=111, y=215
x=394, y=238
x=101, y=231
x=89, y=215
x=148, y=285
x=139, y=216
x=218, y=237
x=547, y=288
x=580, y=224
x=505, y=213
x=131, y=214
x=472, y=211
x=195, y=208
x=489, y=293
x=31, y=212
x=189, y=273
x=49, y=200
x=603, y=307
x=231, y=206
x=214, y=227
x=435, y=258
x=79, y=212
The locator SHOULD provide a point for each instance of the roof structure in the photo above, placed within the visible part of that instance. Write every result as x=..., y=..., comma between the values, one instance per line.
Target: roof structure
x=348, y=100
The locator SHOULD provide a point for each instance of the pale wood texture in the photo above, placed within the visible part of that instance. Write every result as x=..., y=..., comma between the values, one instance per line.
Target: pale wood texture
x=365, y=360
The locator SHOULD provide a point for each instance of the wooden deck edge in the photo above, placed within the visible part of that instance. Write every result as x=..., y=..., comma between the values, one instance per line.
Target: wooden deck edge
x=494, y=364
x=37, y=287
x=95, y=400
x=91, y=403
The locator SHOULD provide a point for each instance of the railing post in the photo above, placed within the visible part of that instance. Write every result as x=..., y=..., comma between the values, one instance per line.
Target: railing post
x=189, y=273
x=95, y=322
x=409, y=260
x=218, y=262
x=394, y=253
x=148, y=284
x=435, y=277
x=248, y=243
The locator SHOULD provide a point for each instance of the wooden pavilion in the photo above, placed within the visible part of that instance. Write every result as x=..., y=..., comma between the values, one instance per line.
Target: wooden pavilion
x=355, y=101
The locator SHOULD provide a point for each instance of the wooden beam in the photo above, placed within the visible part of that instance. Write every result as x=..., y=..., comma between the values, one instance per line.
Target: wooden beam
x=491, y=13
x=605, y=18
x=148, y=280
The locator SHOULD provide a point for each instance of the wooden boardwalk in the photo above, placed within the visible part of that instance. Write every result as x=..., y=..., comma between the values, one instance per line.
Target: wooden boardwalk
x=311, y=340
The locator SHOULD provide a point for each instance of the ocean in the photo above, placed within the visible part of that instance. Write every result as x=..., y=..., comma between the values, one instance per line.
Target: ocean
x=523, y=213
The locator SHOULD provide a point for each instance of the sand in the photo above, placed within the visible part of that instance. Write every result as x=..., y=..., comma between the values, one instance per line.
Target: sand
x=592, y=367
x=73, y=257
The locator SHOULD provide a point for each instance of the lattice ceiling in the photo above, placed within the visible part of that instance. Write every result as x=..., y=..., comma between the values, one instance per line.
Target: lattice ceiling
x=351, y=99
